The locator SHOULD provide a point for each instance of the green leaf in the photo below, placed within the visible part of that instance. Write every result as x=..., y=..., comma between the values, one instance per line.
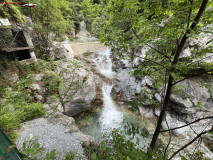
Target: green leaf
x=94, y=156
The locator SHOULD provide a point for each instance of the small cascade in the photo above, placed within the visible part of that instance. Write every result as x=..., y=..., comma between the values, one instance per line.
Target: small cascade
x=110, y=117
x=104, y=64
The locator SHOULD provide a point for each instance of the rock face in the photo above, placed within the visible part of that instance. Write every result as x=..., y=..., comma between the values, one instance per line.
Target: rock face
x=195, y=103
x=61, y=50
x=80, y=96
x=54, y=134
x=197, y=97
x=127, y=85
x=83, y=32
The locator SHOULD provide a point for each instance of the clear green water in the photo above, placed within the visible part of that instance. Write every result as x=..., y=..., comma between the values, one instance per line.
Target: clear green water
x=89, y=123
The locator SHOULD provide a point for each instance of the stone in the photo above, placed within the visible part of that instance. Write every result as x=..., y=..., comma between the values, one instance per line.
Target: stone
x=158, y=97
x=50, y=136
x=39, y=97
x=11, y=74
x=54, y=103
x=128, y=85
x=61, y=51
x=208, y=140
x=173, y=123
x=146, y=113
x=37, y=88
x=38, y=77
x=77, y=99
x=83, y=32
x=198, y=96
x=148, y=81
x=184, y=105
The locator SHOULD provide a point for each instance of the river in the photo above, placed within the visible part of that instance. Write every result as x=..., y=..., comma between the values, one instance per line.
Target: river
x=111, y=115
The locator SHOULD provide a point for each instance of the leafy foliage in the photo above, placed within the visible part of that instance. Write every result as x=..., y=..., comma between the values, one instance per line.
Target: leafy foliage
x=15, y=109
x=117, y=146
x=33, y=150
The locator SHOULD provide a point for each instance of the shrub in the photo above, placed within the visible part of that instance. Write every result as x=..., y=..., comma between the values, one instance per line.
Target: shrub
x=117, y=146
x=17, y=109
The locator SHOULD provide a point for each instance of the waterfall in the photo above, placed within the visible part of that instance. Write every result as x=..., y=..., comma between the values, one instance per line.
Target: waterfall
x=104, y=64
x=110, y=117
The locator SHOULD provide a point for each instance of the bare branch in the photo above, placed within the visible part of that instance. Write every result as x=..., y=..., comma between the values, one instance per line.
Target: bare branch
x=210, y=117
x=151, y=46
x=186, y=145
x=191, y=77
x=170, y=137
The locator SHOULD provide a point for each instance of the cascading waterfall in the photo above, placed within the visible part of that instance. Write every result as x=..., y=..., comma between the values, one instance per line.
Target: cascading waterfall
x=104, y=64
x=110, y=117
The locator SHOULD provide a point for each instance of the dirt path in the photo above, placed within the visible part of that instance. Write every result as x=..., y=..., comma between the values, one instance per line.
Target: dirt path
x=82, y=47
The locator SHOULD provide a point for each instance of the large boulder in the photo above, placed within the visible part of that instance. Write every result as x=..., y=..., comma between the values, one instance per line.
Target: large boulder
x=80, y=88
x=55, y=133
x=83, y=32
x=61, y=50
x=192, y=97
x=127, y=85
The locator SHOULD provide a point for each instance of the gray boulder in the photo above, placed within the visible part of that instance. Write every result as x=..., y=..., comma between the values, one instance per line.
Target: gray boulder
x=174, y=123
x=196, y=96
x=53, y=134
x=128, y=85
x=61, y=50
x=80, y=88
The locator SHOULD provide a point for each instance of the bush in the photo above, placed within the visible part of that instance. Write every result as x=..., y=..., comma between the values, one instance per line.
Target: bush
x=17, y=109
x=52, y=82
x=117, y=146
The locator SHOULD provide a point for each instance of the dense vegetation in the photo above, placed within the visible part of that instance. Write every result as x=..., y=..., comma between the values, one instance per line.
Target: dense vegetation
x=164, y=26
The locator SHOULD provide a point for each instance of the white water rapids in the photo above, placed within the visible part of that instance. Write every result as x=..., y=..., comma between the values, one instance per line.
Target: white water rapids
x=104, y=64
x=110, y=117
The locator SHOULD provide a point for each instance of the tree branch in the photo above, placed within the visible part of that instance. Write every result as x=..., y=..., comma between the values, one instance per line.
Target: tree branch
x=210, y=117
x=191, y=77
x=186, y=145
x=151, y=46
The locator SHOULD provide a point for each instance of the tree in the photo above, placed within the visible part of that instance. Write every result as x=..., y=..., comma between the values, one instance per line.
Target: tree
x=164, y=27
x=12, y=13
x=51, y=19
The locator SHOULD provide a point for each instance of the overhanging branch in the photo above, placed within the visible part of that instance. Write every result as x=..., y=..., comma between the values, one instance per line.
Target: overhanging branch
x=210, y=117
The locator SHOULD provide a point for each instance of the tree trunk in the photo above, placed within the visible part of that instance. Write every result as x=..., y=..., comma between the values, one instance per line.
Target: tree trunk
x=170, y=81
